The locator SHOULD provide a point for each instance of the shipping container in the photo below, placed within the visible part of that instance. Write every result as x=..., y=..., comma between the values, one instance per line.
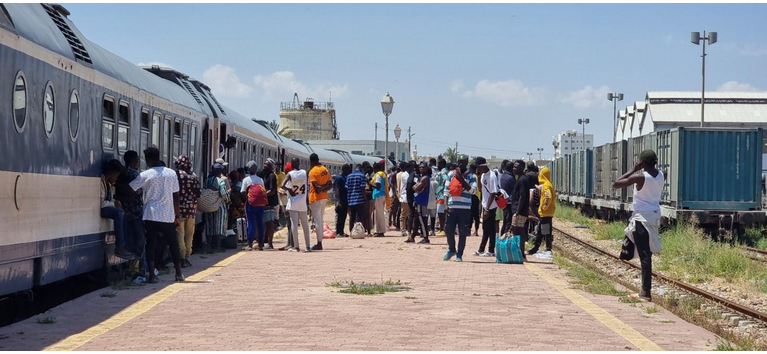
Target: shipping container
x=617, y=152
x=634, y=147
x=601, y=171
x=711, y=169
x=583, y=173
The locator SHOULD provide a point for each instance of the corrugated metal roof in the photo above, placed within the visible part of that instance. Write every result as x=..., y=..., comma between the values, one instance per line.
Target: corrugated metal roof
x=715, y=113
x=639, y=106
x=711, y=94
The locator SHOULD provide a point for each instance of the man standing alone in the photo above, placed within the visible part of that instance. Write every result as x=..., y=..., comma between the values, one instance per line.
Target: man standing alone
x=644, y=222
x=319, y=184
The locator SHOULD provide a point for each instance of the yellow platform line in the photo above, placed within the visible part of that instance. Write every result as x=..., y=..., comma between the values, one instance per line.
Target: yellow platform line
x=597, y=312
x=77, y=340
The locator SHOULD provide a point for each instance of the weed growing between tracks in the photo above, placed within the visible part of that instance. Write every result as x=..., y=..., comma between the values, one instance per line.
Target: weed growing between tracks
x=363, y=288
x=602, y=230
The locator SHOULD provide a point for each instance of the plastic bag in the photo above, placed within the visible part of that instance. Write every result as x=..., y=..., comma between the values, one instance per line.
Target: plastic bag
x=358, y=231
x=507, y=249
x=327, y=232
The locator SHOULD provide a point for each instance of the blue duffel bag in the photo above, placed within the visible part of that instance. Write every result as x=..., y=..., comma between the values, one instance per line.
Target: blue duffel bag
x=507, y=249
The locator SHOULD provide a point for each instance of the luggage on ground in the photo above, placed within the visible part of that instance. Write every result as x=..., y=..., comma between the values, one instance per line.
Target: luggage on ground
x=507, y=249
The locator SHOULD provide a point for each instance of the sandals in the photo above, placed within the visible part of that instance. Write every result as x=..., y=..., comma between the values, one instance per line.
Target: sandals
x=639, y=297
x=180, y=277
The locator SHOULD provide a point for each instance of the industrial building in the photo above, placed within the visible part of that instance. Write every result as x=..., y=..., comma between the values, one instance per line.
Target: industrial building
x=571, y=141
x=308, y=120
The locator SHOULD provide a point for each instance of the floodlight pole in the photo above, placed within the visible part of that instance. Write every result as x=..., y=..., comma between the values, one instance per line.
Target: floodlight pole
x=703, y=82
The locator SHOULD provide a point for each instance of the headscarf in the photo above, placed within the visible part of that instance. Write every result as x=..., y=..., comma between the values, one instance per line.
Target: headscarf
x=288, y=167
x=216, y=170
x=184, y=164
x=270, y=163
x=252, y=167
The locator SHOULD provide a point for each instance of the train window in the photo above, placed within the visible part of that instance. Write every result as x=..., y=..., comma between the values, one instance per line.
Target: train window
x=144, y=139
x=185, y=140
x=123, y=129
x=156, y=129
x=20, y=102
x=192, y=144
x=48, y=109
x=74, y=114
x=166, y=139
x=176, y=140
x=124, y=113
x=107, y=123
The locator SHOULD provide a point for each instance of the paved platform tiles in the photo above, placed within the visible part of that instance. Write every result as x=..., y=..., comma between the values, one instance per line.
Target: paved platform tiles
x=274, y=300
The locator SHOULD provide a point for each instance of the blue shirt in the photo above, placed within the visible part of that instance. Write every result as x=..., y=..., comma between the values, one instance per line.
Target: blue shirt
x=355, y=185
x=340, y=186
x=462, y=201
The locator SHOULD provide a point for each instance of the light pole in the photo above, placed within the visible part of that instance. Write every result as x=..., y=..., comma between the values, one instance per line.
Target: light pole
x=583, y=122
x=540, y=153
x=615, y=97
x=530, y=156
x=695, y=38
x=387, y=104
x=397, y=132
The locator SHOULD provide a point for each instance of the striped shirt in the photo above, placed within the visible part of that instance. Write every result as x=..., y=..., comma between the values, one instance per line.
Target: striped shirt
x=355, y=186
x=464, y=200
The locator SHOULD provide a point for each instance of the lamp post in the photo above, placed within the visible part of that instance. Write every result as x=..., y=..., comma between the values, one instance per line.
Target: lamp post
x=583, y=122
x=695, y=38
x=530, y=156
x=540, y=153
x=397, y=132
x=387, y=104
x=615, y=97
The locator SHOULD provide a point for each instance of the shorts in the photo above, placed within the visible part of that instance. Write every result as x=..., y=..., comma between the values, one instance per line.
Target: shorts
x=269, y=214
x=518, y=220
x=441, y=208
x=498, y=214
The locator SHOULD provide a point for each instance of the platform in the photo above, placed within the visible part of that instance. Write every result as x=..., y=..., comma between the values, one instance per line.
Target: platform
x=273, y=300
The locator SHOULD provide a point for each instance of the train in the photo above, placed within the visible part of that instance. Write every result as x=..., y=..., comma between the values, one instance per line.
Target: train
x=713, y=177
x=75, y=105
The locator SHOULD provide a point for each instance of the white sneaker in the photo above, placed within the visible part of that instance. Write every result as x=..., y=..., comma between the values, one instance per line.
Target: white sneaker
x=476, y=253
x=292, y=249
x=308, y=249
x=486, y=254
x=490, y=254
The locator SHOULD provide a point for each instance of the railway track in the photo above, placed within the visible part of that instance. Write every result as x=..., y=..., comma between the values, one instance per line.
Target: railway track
x=687, y=287
x=762, y=254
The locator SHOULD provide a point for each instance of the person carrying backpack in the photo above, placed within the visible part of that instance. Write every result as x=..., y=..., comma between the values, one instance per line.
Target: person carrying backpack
x=255, y=191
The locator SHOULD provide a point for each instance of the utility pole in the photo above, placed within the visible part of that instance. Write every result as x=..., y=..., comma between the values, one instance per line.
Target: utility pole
x=409, y=142
x=375, y=141
x=696, y=39
x=456, y=151
x=540, y=153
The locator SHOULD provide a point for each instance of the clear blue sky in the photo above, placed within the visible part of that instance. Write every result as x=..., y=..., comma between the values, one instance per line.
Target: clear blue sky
x=499, y=77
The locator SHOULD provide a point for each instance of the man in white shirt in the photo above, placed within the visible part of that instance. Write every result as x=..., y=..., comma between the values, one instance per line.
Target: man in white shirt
x=297, y=203
x=402, y=196
x=489, y=191
x=161, y=210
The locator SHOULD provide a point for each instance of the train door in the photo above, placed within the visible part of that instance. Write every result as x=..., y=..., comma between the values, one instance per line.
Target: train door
x=185, y=139
x=144, y=135
x=207, y=137
x=176, y=148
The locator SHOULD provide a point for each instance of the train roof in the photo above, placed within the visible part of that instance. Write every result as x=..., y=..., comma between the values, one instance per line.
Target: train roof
x=33, y=22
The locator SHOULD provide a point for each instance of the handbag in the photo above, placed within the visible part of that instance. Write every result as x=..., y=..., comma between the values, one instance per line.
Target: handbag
x=507, y=249
x=627, y=250
x=358, y=231
x=209, y=200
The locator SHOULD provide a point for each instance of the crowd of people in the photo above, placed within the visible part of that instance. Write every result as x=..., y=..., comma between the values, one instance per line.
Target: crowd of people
x=156, y=214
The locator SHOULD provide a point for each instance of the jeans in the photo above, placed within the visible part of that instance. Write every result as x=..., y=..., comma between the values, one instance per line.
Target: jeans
x=168, y=231
x=134, y=230
x=642, y=243
x=318, y=214
x=255, y=220
x=118, y=215
x=475, y=211
x=507, y=214
x=341, y=210
x=544, y=234
x=460, y=218
x=488, y=231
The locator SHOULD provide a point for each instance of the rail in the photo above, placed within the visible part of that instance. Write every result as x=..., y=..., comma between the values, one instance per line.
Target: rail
x=700, y=292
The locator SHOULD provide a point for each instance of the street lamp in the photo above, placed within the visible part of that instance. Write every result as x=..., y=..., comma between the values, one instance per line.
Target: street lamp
x=615, y=97
x=540, y=153
x=695, y=38
x=397, y=132
x=530, y=156
x=583, y=122
x=387, y=104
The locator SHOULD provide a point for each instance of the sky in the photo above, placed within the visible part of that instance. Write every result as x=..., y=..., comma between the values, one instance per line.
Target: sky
x=498, y=79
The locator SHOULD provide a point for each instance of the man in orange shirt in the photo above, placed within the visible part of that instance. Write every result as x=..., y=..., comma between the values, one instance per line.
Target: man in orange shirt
x=319, y=184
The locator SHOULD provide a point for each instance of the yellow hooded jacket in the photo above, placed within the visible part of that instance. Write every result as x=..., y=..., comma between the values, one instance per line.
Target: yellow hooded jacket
x=548, y=194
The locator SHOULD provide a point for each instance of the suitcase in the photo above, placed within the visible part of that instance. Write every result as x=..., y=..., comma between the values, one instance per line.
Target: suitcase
x=230, y=241
x=242, y=230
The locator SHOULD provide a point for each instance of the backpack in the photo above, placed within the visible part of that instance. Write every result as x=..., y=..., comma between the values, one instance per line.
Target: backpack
x=456, y=187
x=257, y=195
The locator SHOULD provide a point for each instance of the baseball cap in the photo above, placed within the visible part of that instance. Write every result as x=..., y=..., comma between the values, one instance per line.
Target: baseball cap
x=462, y=157
x=221, y=161
x=480, y=161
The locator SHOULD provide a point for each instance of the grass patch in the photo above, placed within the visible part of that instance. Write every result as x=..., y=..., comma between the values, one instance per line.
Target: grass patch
x=46, y=320
x=753, y=237
x=652, y=309
x=410, y=297
x=586, y=279
x=626, y=299
x=121, y=284
x=566, y=212
x=725, y=346
x=108, y=294
x=667, y=321
x=609, y=231
x=689, y=254
x=363, y=288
